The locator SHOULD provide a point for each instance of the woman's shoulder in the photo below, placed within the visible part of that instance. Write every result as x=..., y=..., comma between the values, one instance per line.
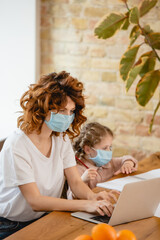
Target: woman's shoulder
x=16, y=138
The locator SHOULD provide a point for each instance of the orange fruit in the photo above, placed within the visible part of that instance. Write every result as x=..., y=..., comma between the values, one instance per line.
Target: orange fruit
x=126, y=235
x=83, y=237
x=103, y=231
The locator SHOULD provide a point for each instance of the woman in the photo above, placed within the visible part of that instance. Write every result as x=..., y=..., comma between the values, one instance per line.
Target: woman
x=37, y=157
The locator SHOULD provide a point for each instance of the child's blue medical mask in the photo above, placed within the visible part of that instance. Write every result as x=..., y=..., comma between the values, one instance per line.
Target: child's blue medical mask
x=59, y=122
x=103, y=157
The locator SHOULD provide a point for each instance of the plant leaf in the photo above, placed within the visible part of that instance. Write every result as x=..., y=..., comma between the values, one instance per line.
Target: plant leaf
x=133, y=73
x=134, y=34
x=155, y=39
x=145, y=6
x=147, y=29
x=147, y=86
x=126, y=22
x=149, y=64
x=127, y=61
x=134, y=15
x=108, y=25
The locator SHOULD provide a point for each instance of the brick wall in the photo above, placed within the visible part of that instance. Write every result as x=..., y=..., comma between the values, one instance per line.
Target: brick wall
x=68, y=43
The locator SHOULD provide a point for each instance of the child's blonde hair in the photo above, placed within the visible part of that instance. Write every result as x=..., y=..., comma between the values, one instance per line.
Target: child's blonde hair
x=91, y=134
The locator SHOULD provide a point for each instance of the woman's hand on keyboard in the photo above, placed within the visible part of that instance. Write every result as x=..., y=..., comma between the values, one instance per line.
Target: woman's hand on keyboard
x=102, y=207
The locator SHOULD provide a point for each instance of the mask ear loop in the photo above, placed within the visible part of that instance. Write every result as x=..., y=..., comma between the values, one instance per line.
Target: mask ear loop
x=94, y=150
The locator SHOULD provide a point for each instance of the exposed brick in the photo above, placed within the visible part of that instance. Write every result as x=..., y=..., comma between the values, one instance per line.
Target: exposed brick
x=125, y=103
x=128, y=141
x=125, y=129
x=46, y=60
x=75, y=9
x=96, y=112
x=149, y=106
x=79, y=23
x=151, y=144
x=76, y=49
x=101, y=3
x=65, y=35
x=104, y=64
x=90, y=38
x=45, y=69
x=142, y=130
x=109, y=76
x=139, y=155
x=66, y=61
x=115, y=51
x=58, y=10
x=95, y=12
x=151, y=15
x=106, y=100
x=97, y=51
x=156, y=131
x=121, y=39
x=90, y=76
x=90, y=99
x=119, y=152
x=46, y=45
x=79, y=1
x=109, y=124
x=58, y=48
x=156, y=93
x=156, y=119
x=102, y=89
x=45, y=34
x=125, y=116
x=104, y=3
x=45, y=21
x=92, y=23
x=59, y=1
x=44, y=10
x=60, y=22
x=68, y=43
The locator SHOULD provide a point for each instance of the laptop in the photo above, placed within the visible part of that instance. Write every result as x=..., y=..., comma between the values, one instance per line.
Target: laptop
x=138, y=200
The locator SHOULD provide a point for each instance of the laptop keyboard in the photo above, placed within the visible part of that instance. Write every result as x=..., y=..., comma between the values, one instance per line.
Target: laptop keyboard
x=104, y=218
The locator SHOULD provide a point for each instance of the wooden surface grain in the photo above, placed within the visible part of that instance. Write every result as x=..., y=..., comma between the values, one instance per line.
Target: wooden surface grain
x=62, y=226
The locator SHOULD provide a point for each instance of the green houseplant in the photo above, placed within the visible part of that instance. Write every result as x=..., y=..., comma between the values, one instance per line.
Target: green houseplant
x=132, y=68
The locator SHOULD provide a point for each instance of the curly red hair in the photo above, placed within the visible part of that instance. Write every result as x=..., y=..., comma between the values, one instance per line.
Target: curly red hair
x=49, y=93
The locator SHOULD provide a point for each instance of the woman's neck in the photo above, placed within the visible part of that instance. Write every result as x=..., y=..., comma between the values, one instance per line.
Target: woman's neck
x=44, y=135
x=42, y=141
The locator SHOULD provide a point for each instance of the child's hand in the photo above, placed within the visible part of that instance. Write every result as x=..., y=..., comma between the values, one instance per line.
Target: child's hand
x=127, y=167
x=89, y=174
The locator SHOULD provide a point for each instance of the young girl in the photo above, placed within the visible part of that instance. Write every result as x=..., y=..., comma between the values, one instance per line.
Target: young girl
x=93, y=151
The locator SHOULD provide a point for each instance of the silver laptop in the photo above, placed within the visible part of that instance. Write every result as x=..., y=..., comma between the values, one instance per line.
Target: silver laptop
x=137, y=200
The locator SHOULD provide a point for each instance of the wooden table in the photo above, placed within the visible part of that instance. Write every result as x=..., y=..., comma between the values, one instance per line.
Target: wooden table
x=61, y=226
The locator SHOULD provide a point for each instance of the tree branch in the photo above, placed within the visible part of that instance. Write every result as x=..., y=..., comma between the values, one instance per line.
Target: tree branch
x=148, y=40
x=152, y=120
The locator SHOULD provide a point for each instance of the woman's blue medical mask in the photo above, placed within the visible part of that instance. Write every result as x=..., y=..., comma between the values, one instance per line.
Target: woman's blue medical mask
x=103, y=157
x=59, y=122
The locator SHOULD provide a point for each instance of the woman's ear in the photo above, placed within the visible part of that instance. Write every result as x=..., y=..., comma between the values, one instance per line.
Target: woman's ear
x=87, y=149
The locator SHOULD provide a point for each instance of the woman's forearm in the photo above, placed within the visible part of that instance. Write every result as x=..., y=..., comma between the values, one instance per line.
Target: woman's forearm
x=40, y=202
x=45, y=203
x=82, y=191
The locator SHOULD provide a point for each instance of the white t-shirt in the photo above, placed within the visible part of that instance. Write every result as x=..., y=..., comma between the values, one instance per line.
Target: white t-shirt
x=21, y=162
